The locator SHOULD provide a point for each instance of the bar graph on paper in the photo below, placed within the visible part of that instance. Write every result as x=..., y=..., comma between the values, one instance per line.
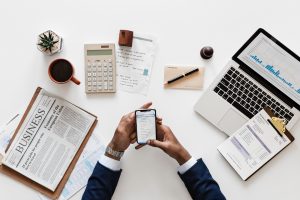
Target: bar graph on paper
x=276, y=64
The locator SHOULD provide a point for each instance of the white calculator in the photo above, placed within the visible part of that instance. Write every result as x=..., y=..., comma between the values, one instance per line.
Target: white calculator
x=100, y=68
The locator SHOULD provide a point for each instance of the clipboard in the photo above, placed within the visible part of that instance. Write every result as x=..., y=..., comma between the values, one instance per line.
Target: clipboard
x=27, y=181
x=237, y=154
x=191, y=82
x=287, y=133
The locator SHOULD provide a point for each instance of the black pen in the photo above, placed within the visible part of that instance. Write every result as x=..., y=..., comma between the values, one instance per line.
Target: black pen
x=182, y=75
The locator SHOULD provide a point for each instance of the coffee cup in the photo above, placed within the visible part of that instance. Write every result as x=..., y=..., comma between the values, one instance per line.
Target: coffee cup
x=62, y=71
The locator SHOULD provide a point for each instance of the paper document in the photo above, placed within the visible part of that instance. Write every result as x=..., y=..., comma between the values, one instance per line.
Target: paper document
x=253, y=145
x=83, y=169
x=134, y=64
x=6, y=132
x=48, y=140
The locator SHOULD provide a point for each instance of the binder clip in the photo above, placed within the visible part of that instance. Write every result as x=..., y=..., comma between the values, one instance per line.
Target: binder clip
x=125, y=38
x=279, y=124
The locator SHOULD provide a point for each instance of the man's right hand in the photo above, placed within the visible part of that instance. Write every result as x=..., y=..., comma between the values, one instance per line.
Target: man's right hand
x=167, y=141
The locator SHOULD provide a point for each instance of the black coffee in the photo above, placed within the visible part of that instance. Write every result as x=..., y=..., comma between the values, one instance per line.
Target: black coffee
x=61, y=70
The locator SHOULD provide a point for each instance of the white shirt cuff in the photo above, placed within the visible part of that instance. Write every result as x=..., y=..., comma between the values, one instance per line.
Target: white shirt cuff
x=110, y=163
x=187, y=165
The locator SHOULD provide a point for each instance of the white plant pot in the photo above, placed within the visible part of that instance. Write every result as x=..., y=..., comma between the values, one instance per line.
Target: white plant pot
x=57, y=46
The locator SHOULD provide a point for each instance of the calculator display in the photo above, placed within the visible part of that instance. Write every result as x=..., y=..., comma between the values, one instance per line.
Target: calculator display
x=99, y=52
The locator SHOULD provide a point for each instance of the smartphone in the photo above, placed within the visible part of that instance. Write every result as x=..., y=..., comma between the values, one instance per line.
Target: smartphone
x=145, y=125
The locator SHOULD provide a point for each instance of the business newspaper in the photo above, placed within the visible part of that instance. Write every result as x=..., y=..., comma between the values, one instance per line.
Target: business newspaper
x=48, y=140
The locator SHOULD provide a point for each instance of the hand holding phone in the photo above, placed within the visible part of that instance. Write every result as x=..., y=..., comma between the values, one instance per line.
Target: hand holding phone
x=167, y=141
x=145, y=125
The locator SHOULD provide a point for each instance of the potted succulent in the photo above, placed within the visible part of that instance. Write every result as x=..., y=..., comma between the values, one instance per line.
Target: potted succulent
x=49, y=42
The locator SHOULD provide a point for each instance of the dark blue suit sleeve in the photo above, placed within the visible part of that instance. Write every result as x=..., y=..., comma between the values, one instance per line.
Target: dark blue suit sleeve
x=200, y=183
x=101, y=184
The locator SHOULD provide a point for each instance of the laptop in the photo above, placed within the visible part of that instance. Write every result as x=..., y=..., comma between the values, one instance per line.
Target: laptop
x=263, y=72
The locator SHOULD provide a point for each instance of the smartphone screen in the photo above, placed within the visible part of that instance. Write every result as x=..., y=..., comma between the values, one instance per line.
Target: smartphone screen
x=145, y=125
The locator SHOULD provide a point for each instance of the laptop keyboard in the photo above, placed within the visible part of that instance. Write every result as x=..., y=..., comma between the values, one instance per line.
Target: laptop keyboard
x=247, y=97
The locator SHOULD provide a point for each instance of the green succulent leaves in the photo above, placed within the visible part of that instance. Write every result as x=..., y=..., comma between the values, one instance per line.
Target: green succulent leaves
x=47, y=42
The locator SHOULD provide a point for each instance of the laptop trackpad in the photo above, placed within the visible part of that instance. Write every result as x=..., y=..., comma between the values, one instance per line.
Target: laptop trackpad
x=231, y=122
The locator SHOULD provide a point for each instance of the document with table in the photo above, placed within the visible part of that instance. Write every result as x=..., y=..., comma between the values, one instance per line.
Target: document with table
x=48, y=139
x=254, y=144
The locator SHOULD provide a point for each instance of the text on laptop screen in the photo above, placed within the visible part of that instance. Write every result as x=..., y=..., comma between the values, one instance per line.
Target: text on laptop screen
x=274, y=64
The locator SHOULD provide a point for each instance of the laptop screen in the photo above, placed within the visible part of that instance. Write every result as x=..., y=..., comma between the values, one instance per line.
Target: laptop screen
x=273, y=63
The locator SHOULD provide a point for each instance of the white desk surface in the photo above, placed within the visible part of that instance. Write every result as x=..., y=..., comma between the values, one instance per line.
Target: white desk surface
x=182, y=28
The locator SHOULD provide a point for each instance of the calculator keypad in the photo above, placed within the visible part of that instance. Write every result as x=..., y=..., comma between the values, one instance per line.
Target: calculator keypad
x=100, y=76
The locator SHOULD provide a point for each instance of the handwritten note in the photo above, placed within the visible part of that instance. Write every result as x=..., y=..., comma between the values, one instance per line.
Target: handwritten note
x=134, y=64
